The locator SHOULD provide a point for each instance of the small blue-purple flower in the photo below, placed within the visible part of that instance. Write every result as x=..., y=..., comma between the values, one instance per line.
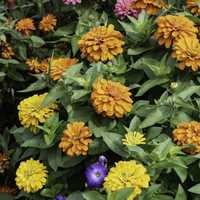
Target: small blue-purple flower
x=60, y=197
x=96, y=173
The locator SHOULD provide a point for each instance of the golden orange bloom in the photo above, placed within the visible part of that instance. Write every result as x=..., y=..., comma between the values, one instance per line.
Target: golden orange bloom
x=112, y=99
x=34, y=65
x=4, y=162
x=48, y=23
x=7, y=189
x=6, y=50
x=186, y=51
x=76, y=139
x=188, y=133
x=44, y=64
x=152, y=7
x=58, y=66
x=193, y=5
x=101, y=43
x=25, y=26
x=171, y=28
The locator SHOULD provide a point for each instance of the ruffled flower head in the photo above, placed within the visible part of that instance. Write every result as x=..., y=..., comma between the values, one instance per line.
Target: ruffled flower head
x=76, y=139
x=32, y=113
x=25, y=26
x=127, y=174
x=171, y=28
x=133, y=139
x=111, y=99
x=101, y=44
x=188, y=133
x=48, y=23
x=6, y=50
x=193, y=5
x=4, y=162
x=123, y=9
x=31, y=176
x=73, y=2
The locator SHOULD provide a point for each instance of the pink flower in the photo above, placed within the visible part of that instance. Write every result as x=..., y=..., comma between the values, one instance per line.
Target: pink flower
x=73, y=2
x=123, y=9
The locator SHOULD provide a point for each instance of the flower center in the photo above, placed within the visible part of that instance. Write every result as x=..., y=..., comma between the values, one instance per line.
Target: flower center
x=98, y=174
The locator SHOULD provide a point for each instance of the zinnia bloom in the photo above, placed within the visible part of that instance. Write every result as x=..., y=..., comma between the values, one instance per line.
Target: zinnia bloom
x=127, y=174
x=7, y=189
x=73, y=2
x=25, y=26
x=58, y=66
x=152, y=7
x=133, y=139
x=193, y=5
x=44, y=64
x=186, y=51
x=60, y=197
x=188, y=133
x=112, y=99
x=32, y=113
x=4, y=162
x=31, y=176
x=6, y=50
x=123, y=9
x=101, y=43
x=171, y=28
x=76, y=139
x=48, y=23
x=95, y=174
x=34, y=65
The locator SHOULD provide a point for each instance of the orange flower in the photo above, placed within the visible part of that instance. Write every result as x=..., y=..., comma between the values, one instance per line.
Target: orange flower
x=193, y=5
x=6, y=50
x=58, y=66
x=25, y=26
x=186, y=51
x=152, y=7
x=48, y=23
x=171, y=28
x=112, y=99
x=4, y=162
x=45, y=64
x=188, y=133
x=101, y=43
x=76, y=139
x=34, y=65
x=7, y=189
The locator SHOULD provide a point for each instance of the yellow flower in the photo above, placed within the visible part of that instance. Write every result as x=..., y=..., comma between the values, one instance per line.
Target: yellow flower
x=58, y=66
x=152, y=7
x=7, y=189
x=48, y=23
x=32, y=113
x=25, y=26
x=193, y=5
x=133, y=139
x=4, y=162
x=76, y=139
x=6, y=50
x=127, y=174
x=186, y=51
x=112, y=99
x=188, y=133
x=101, y=43
x=171, y=28
x=31, y=176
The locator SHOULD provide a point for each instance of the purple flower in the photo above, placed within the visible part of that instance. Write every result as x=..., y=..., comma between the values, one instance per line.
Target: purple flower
x=73, y=2
x=96, y=173
x=60, y=197
x=123, y=9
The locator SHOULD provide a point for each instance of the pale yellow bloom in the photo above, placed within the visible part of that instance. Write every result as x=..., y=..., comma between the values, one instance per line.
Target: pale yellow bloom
x=133, y=139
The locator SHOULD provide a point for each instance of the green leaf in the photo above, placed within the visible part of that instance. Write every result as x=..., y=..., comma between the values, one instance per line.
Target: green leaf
x=122, y=194
x=159, y=115
x=9, y=61
x=188, y=91
x=68, y=162
x=75, y=196
x=91, y=195
x=138, y=50
x=180, y=195
x=54, y=158
x=182, y=173
x=134, y=124
x=37, y=42
x=114, y=142
x=5, y=196
x=150, y=84
x=38, y=85
x=195, y=189
x=74, y=43
x=97, y=146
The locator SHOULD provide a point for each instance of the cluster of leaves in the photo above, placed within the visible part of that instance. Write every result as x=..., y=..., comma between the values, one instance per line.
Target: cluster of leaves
x=145, y=67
